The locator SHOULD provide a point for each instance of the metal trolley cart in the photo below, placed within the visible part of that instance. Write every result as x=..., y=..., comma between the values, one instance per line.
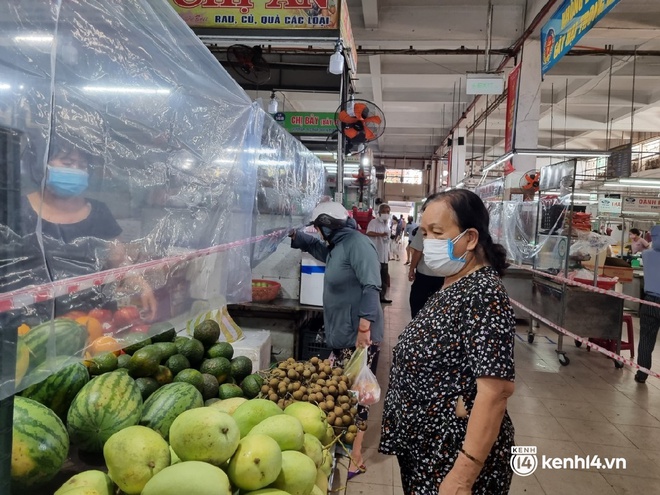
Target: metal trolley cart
x=585, y=313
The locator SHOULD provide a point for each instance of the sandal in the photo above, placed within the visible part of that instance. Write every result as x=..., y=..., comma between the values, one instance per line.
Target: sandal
x=352, y=474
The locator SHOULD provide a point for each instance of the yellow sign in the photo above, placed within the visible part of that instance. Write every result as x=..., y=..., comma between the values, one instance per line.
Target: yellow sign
x=259, y=14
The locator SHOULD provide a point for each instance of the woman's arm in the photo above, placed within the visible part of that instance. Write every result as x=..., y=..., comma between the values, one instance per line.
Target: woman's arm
x=414, y=261
x=371, y=233
x=366, y=267
x=309, y=244
x=482, y=431
x=118, y=256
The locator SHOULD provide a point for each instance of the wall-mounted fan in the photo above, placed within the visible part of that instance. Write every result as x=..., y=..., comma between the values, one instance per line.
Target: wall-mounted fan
x=361, y=121
x=530, y=181
x=350, y=148
x=248, y=64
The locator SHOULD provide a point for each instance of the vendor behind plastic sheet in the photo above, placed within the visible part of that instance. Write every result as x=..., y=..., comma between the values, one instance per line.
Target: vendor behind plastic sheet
x=637, y=243
x=352, y=313
x=79, y=234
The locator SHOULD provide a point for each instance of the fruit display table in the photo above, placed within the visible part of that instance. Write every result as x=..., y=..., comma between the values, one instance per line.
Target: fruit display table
x=284, y=318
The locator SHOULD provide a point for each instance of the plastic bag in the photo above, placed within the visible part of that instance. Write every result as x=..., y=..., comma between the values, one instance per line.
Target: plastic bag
x=366, y=387
x=356, y=363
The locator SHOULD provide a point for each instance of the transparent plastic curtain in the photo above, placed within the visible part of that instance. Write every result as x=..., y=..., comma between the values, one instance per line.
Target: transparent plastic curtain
x=290, y=183
x=136, y=158
x=517, y=226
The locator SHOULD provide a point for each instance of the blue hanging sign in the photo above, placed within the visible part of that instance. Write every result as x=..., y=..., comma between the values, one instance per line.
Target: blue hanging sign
x=568, y=25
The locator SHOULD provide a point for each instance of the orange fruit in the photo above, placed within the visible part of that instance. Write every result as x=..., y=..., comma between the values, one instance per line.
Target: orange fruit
x=93, y=326
x=23, y=329
x=22, y=361
x=105, y=344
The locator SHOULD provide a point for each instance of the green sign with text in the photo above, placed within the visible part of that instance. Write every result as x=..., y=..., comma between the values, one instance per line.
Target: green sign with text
x=307, y=122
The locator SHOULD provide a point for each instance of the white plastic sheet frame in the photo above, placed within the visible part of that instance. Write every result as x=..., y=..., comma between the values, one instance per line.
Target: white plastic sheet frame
x=178, y=160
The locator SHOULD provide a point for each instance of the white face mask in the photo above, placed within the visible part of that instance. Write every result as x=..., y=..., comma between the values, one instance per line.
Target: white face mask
x=384, y=216
x=439, y=256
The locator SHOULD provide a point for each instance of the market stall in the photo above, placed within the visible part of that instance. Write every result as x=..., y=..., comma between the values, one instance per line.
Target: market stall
x=136, y=181
x=556, y=239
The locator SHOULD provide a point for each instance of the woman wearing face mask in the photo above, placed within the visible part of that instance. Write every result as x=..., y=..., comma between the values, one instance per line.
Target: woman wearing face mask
x=352, y=314
x=452, y=370
x=79, y=234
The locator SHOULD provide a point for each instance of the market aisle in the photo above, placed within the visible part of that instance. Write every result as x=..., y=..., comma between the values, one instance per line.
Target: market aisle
x=586, y=408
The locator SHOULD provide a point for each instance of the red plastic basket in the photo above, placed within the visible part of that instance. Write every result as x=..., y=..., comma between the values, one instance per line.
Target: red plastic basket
x=607, y=284
x=265, y=293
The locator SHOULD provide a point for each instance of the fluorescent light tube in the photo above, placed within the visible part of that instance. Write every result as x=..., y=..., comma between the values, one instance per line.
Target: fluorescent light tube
x=499, y=161
x=623, y=186
x=564, y=153
x=648, y=182
x=34, y=38
x=126, y=90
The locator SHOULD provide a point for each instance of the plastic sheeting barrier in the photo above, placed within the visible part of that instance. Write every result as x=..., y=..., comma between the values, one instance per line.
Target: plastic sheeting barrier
x=123, y=142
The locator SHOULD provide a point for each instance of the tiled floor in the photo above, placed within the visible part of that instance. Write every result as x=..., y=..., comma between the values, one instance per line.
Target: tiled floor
x=587, y=408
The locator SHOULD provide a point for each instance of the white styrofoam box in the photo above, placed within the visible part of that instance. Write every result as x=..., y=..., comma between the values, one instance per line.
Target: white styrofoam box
x=312, y=273
x=256, y=345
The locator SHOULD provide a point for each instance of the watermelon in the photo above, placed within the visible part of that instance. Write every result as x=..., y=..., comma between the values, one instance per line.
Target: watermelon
x=40, y=443
x=165, y=404
x=107, y=404
x=59, y=389
x=60, y=337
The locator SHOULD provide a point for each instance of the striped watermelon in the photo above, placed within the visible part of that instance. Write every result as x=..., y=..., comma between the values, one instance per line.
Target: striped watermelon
x=107, y=404
x=60, y=337
x=39, y=444
x=165, y=404
x=59, y=389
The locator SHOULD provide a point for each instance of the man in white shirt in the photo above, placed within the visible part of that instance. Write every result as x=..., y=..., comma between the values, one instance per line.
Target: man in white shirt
x=378, y=231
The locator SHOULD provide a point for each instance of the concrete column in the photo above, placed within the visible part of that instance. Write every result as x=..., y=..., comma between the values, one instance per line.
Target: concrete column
x=529, y=107
x=458, y=153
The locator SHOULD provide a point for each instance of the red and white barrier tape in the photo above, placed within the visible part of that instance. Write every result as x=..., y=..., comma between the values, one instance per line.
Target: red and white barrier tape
x=34, y=294
x=591, y=288
x=585, y=341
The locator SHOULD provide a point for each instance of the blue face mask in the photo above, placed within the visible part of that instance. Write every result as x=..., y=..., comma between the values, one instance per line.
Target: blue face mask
x=66, y=182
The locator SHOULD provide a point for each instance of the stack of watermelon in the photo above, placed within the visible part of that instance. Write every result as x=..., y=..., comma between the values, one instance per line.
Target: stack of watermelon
x=149, y=382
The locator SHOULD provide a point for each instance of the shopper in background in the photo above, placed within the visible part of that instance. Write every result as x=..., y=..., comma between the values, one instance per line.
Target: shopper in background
x=424, y=282
x=400, y=226
x=637, y=242
x=393, y=246
x=452, y=371
x=410, y=226
x=352, y=314
x=398, y=234
x=649, y=316
x=378, y=231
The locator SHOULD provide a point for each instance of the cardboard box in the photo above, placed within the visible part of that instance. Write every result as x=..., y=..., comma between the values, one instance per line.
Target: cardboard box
x=624, y=274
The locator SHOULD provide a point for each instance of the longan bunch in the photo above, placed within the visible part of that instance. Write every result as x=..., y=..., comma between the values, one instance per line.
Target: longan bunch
x=314, y=381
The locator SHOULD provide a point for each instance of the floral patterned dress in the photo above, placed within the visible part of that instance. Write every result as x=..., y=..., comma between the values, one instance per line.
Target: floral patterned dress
x=465, y=331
